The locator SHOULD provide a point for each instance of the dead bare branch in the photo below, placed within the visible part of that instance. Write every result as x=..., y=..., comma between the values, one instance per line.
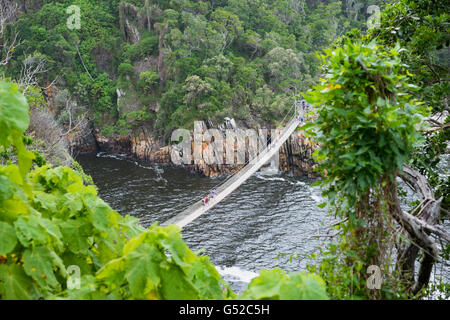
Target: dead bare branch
x=418, y=228
x=32, y=67
x=8, y=13
x=436, y=129
x=43, y=127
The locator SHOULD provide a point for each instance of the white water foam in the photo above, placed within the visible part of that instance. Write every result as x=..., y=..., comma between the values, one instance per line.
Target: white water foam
x=316, y=198
x=113, y=156
x=237, y=273
x=262, y=177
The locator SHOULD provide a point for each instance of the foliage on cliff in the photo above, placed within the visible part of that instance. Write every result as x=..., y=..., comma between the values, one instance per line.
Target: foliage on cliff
x=176, y=61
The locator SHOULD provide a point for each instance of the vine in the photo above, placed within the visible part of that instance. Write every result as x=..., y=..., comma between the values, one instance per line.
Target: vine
x=368, y=125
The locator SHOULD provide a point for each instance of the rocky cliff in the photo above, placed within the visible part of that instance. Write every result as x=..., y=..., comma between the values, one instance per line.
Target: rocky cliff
x=295, y=156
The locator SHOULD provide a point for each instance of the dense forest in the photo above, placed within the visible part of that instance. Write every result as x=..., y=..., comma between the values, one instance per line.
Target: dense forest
x=379, y=85
x=163, y=64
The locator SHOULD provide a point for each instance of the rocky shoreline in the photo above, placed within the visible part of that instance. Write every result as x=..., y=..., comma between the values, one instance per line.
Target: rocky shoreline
x=295, y=156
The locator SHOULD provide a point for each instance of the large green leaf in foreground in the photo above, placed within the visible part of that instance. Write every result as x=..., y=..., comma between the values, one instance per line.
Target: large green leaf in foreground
x=277, y=285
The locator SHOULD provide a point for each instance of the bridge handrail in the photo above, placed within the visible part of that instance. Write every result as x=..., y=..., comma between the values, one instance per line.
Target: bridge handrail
x=197, y=209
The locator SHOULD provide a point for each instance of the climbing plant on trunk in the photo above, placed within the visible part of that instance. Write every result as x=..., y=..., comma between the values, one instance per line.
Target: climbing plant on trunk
x=368, y=124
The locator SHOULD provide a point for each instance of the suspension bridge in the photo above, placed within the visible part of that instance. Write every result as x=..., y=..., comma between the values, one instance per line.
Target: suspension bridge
x=198, y=208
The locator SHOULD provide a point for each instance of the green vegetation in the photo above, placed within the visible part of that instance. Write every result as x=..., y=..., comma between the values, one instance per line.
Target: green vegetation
x=196, y=59
x=367, y=128
x=421, y=28
x=50, y=221
x=276, y=284
x=380, y=96
x=379, y=89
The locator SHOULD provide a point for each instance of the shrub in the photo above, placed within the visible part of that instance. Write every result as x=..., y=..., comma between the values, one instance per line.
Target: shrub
x=149, y=45
x=148, y=80
x=125, y=69
x=107, y=130
x=133, y=52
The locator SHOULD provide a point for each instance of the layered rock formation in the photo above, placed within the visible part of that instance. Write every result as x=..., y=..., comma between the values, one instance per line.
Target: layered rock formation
x=295, y=156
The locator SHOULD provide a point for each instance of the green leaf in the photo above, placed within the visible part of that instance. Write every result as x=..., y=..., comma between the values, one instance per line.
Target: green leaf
x=180, y=253
x=38, y=264
x=142, y=270
x=8, y=238
x=175, y=285
x=75, y=238
x=100, y=215
x=312, y=287
x=266, y=286
x=206, y=279
x=14, y=283
x=24, y=156
x=13, y=109
x=131, y=226
x=113, y=273
x=381, y=102
x=28, y=230
x=275, y=284
x=69, y=259
x=322, y=205
x=6, y=186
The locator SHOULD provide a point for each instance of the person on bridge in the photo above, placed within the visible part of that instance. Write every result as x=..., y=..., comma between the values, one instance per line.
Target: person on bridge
x=304, y=108
x=275, y=141
x=213, y=193
x=206, y=200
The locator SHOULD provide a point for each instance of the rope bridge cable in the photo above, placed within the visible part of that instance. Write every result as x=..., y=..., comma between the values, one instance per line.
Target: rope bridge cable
x=220, y=184
x=228, y=186
x=203, y=196
x=181, y=207
x=197, y=209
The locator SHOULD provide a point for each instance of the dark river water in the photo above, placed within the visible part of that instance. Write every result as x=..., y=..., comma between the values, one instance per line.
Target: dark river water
x=268, y=222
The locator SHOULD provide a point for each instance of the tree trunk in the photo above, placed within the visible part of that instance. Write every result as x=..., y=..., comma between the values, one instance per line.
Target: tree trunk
x=418, y=233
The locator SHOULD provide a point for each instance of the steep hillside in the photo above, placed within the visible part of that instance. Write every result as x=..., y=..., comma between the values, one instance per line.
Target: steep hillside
x=157, y=65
